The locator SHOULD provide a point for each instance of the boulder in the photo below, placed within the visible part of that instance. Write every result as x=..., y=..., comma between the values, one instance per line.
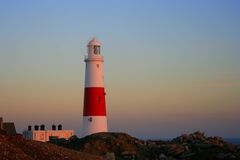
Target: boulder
x=109, y=156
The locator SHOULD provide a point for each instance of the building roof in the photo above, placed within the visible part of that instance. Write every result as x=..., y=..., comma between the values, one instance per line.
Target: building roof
x=94, y=42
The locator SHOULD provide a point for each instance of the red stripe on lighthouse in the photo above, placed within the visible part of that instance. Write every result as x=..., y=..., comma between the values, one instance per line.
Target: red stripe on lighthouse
x=94, y=102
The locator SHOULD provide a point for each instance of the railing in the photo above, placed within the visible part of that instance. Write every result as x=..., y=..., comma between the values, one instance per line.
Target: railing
x=93, y=58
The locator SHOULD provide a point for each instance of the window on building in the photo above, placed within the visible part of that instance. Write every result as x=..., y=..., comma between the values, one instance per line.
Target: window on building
x=97, y=65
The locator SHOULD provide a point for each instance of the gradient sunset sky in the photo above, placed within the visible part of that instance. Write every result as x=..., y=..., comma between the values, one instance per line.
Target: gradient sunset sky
x=171, y=66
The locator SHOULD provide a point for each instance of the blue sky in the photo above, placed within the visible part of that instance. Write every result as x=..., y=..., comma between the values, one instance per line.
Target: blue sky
x=170, y=66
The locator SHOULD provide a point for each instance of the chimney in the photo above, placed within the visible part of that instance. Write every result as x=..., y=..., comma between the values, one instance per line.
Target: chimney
x=36, y=127
x=29, y=128
x=59, y=127
x=1, y=123
x=42, y=127
x=53, y=127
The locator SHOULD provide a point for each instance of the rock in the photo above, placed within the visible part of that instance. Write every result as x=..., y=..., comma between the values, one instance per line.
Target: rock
x=225, y=156
x=187, y=155
x=17, y=148
x=194, y=146
x=128, y=155
x=174, y=149
x=162, y=156
x=109, y=156
x=73, y=138
x=203, y=146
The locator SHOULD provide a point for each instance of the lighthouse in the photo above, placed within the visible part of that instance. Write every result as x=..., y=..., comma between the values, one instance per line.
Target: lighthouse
x=94, y=110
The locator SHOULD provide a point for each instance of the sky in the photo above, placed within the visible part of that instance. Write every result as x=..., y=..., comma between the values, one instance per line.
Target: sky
x=171, y=67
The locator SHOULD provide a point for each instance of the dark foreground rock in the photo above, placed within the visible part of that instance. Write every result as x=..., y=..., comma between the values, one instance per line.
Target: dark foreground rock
x=17, y=148
x=121, y=146
x=197, y=146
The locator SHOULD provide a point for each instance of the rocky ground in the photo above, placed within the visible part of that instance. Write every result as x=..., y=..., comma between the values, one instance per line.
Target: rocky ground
x=119, y=146
x=17, y=148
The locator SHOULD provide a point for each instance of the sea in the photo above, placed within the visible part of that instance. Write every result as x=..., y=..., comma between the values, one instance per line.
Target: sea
x=235, y=141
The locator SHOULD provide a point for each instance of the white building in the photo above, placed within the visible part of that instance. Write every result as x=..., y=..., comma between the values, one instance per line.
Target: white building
x=40, y=134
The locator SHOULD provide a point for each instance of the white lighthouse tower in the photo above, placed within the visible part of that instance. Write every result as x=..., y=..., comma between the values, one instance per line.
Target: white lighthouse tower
x=94, y=111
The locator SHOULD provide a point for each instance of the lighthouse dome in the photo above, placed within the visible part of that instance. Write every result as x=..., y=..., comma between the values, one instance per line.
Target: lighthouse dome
x=94, y=42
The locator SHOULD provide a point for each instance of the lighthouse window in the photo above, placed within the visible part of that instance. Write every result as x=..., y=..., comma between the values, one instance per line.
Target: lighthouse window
x=90, y=119
x=96, y=49
x=97, y=65
x=98, y=98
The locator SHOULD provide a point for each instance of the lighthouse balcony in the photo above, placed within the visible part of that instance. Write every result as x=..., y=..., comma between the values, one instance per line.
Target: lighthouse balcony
x=93, y=58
